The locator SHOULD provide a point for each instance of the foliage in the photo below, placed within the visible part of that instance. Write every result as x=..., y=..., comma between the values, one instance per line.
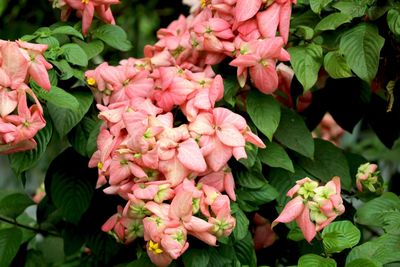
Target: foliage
x=344, y=55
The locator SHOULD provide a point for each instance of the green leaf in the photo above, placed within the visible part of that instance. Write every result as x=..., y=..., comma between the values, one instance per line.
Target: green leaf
x=301, y=142
x=114, y=36
x=382, y=250
x=66, y=118
x=251, y=151
x=242, y=223
x=312, y=260
x=23, y=161
x=264, y=111
x=70, y=184
x=336, y=65
x=351, y=7
x=306, y=62
x=196, y=257
x=393, y=20
x=91, y=49
x=251, y=179
x=84, y=136
x=34, y=258
x=361, y=48
x=338, y=236
x=10, y=239
x=275, y=156
x=66, y=70
x=329, y=161
x=318, y=5
x=75, y=54
x=306, y=32
x=231, y=87
x=3, y=6
x=57, y=97
x=249, y=199
x=382, y=212
x=13, y=204
x=68, y=30
x=332, y=21
x=50, y=41
x=364, y=263
x=244, y=251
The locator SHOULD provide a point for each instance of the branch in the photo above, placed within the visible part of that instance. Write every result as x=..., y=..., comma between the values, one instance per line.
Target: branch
x=36, y=230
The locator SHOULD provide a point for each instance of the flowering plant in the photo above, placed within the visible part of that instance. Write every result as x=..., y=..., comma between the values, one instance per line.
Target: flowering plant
x=236, y=133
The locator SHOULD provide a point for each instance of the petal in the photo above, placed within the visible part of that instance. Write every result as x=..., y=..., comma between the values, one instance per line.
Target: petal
x=230, y=136
x=268, y=20
x=293, y=209
x=246, y=9
x=305, y=224
x=190, y=156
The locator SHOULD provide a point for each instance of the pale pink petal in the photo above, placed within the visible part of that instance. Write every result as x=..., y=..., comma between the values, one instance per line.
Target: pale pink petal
x=190, y=156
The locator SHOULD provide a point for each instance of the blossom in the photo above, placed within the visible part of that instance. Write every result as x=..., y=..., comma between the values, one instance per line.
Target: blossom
x=367, y=176
x=313, y=207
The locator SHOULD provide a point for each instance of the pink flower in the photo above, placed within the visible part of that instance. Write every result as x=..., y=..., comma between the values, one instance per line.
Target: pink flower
x=86, y=9
x=367, y=175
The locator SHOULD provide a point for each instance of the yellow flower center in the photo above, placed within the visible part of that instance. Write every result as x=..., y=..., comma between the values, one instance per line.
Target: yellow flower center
x=100, y=165
x=154, y=247
x=85, y=2
x=91, y=81
x=203, y=3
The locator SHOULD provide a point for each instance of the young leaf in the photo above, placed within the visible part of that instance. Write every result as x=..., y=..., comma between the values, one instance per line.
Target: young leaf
x=264, y=111
x=336, y=65
x=301, y=142
x=114, y=36
x=75, y=54
x=66, y=119
x=332, y=21
x=66, y=71
x=68, y=30
x=338, y=236
x=306, y=62
x=361, y=47
x=10, y=239
x=275, y=156
x=312, y=260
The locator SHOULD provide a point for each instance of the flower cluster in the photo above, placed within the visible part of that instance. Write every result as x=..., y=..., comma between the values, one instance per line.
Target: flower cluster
x=86, y=10
x=242, y=30
x=19, y=123
x=367, y=176
x=313, y=207
x=171, y=170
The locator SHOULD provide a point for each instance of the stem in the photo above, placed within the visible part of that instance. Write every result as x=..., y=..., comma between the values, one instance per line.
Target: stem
x=36, y=230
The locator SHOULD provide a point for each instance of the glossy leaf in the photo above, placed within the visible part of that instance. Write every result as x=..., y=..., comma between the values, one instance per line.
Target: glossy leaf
x=329, y=161
x=114, y=36
x=336, y=65
x=361, y=48
x=264, y=111
x=66, y=119
x=13, y=204
x=383, y=211
x=312, y=260
x=74, y=54
x=332, y=21
x=275, y=156
x=338, y=236
x=301, y=142
x=306, y=62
